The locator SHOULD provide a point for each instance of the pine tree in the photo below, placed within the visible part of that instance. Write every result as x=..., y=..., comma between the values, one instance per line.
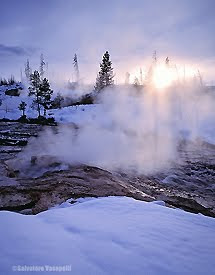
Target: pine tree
x=42, y=64
x=46, y=93
x=105, y=76
x=21, y=77
x=150, y=74
x=34, y=90
x=141, y=76
x=22, y=107
x=3, y=82
x=136, y=82
x=75, y=63
x=127, y=78
x=154, y=57
x=11, y=80
x=57, y=102
x=40, y=89
x=167, y=61
x=27, y=70
x=200, y=78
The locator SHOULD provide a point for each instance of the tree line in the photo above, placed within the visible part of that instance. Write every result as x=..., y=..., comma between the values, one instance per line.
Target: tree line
x=41, y=92
x=39, y=87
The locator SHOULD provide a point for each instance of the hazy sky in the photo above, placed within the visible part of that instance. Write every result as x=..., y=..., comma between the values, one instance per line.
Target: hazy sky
x=184, y=30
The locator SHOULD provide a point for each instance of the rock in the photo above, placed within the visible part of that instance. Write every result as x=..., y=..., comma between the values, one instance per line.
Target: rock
x=189, y=204
x=12, y=174
x=33, y=160
x=39, y=194
x=12, y=92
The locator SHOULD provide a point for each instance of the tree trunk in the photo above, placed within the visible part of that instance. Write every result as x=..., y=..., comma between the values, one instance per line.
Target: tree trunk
x=38, y=105
x=38, y=108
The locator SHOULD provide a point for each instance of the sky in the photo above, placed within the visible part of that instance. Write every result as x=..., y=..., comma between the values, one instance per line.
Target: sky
x=130, y=30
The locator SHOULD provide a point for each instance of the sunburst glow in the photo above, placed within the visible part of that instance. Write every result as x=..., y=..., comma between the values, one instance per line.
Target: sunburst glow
x=163, y=76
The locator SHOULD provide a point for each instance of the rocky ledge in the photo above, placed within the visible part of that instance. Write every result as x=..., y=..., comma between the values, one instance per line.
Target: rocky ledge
x=189, y=184
x=33, y=195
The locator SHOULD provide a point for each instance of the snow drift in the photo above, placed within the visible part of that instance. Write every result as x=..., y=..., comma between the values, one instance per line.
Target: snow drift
x=109, y=236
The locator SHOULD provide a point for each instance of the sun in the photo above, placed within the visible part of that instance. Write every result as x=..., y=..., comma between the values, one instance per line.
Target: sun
x=163, y=77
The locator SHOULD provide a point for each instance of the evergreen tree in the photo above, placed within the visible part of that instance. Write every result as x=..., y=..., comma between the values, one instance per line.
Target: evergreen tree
x=154, y=57
x=3, y=81
x=200, y=78
x=11, y=80
x=167, y=61
x=42, y=64
x=75, y=63
x=27, y=70
x=127, y=78
x=150, y=74
x=141, y=76
x=41, y=91
x=105, y=76
x=34, y=90
x=57, y=102
x=46, y=93
x=136, y=82
x=22, y=107
x=21, y=77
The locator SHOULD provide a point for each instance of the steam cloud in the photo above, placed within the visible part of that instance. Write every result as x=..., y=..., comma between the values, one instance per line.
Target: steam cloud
x=132, y=131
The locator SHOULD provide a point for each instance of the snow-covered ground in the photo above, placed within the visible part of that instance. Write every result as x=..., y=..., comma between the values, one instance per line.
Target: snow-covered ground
x=113, y=235
x=9, y=105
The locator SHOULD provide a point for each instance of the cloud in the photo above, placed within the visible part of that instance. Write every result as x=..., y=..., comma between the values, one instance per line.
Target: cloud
x=14, y=50
x=131, y=30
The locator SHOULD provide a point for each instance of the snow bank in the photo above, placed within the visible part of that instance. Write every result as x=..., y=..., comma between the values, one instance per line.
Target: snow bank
x=80, y=114
x=109, y=236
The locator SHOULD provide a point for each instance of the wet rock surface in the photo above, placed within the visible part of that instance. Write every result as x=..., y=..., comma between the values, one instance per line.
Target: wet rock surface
x=36, y=195
x=189, y=184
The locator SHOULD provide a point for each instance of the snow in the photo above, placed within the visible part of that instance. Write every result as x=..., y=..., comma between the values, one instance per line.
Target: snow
x=169, y=179
x=113, y=235
x=9, y=107
x=79, y=114
x=76, y=114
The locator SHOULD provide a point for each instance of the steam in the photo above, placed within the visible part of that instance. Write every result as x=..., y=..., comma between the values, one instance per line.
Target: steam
x=132, y=130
